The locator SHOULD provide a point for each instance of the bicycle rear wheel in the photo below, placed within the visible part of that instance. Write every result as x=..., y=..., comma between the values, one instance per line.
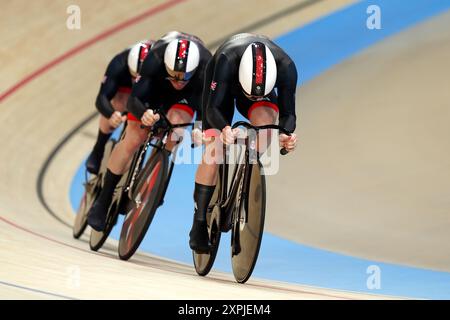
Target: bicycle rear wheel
x=149, y=190
x=248, y=234
x=203, y=262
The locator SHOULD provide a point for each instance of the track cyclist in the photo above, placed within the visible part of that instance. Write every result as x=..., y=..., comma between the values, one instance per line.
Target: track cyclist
x=170, y=80
x=256, y=75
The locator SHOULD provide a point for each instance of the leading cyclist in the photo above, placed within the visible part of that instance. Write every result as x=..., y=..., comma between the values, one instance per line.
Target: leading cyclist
x=260, y=78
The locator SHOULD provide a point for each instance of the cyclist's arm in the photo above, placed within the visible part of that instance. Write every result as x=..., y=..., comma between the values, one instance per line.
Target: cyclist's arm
x=206, y=56
x=143, y=86
x=109, y=87
x=200, y=86
x=218, y=89
x=135, y=103
x=287, y=85
x=196, y=104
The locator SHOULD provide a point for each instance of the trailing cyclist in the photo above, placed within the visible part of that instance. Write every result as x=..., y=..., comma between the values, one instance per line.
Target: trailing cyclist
x=113, y=96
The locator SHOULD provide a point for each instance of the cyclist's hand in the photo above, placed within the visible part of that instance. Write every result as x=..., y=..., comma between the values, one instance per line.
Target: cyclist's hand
x=288, y=142
x=116, y=119
x=149, y=118
x=197, y=137
x=229, y=135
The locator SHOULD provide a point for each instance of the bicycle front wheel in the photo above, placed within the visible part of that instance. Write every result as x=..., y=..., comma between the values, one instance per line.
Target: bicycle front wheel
x=146, y=198
x=248, y=229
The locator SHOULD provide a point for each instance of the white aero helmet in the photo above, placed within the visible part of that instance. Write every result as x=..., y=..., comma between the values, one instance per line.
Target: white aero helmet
x=137, y=55
x=257, y=70
x=181, y=59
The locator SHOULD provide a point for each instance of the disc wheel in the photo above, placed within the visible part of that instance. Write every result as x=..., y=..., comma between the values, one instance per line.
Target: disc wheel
x=247, y=235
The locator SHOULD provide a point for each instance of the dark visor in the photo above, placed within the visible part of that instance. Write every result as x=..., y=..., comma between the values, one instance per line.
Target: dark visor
x=180, y=76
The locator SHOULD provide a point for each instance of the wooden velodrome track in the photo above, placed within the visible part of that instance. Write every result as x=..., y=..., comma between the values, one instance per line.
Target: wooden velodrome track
x=374, y=159
x=37, y=252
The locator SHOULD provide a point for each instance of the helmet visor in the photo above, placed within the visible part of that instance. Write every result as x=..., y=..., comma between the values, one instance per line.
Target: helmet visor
x=179, y=76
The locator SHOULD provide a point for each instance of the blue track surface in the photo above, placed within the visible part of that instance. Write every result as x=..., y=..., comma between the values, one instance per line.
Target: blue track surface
x=315, y=48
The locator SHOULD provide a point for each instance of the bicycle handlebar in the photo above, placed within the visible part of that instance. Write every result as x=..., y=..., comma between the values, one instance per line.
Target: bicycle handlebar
x=169, y=124
x=247, y=125
x=257, y=128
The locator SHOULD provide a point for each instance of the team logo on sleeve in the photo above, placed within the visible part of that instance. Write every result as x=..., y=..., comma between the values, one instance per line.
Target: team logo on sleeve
x=213, y=85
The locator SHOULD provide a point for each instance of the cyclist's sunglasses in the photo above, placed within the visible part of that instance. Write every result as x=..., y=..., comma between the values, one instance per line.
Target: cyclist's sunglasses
x=179, y=76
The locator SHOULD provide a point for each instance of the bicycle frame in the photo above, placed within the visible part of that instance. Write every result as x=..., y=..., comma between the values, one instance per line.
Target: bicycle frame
x=226, y=212
x=230, y=199
x=162, y=129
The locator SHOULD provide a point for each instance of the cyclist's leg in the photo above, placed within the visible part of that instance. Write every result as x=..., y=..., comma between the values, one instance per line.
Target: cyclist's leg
x=119, y=103
x=117, y=165
x=178, y=113
x=205, y=180
x=124, y=150
x=207, y=170
x=260, y=113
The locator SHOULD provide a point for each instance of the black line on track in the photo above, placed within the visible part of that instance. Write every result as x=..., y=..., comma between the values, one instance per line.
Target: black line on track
x=48, y=161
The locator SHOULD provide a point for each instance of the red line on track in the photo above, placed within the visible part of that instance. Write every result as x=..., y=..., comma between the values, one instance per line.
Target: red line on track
x=105, y=34
x=159, y=268
x=39, y=235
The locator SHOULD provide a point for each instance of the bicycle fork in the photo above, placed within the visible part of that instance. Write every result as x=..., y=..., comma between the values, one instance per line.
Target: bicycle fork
x=136, y=165
x=240, y=213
